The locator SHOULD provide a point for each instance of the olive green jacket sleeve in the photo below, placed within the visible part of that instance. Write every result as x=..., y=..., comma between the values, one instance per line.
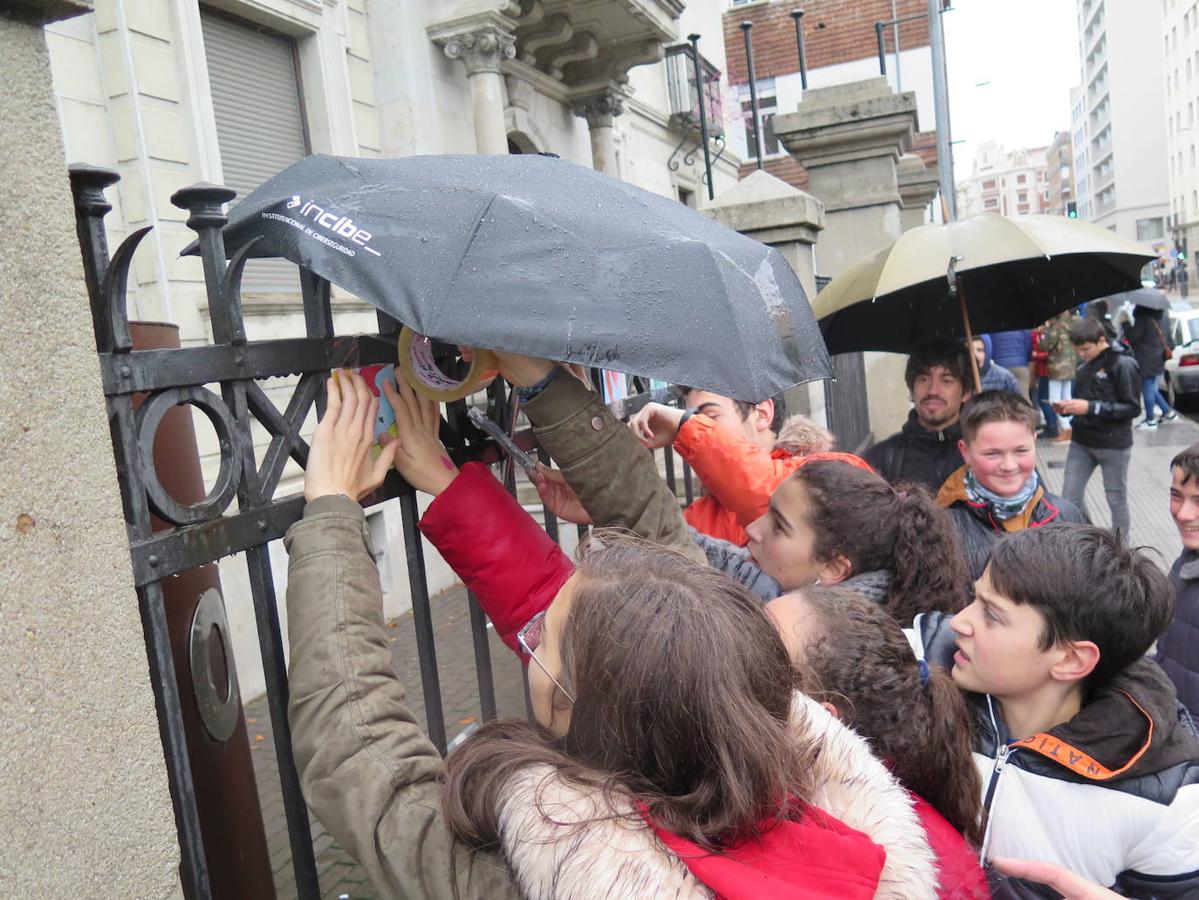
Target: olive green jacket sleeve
x=615, y=477
x=367, y=769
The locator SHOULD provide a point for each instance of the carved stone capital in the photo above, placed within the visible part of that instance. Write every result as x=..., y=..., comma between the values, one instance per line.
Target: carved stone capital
x=601, y=108
x=481, y=49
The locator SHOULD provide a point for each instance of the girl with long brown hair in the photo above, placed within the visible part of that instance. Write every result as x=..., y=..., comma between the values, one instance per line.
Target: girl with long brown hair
x=832, y=523
x=669, y=756
x=853, y=658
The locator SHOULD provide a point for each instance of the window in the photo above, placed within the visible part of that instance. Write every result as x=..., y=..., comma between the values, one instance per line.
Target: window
x=1150, y=229
x=1022, y=197
x=767, y=107
x=1020, y=179
x=253, y=75
x=989, y=185
x=990, y=203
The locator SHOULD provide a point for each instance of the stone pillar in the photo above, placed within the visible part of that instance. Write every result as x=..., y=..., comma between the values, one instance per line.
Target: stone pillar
x=482, y=48
x=769, y=210
x=599, y=110
x=850, y=138
x=917, y=187
x=84, y=805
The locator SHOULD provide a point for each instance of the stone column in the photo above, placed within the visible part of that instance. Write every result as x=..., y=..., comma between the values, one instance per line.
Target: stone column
x=84, y=805
x=482, y=49
x=769, y=210
x=599, y=110
x=850, y=138
x=917, y=187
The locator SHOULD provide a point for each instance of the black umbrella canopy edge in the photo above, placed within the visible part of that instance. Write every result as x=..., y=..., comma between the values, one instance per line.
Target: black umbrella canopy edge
x=243, y=215
x=898, y=321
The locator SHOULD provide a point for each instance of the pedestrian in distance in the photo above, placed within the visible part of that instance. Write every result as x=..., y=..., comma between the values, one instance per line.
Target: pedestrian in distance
x=999, y=490
x=1178, y=648
x=1106, y=400
x=740, y=452
x=991, y=375
x=1148, y=338
x=1089, y=761
x=1040, y=389
x=1062, y=364
x=677, y=763
x=854, y=659
x=939, y=378
x=1013, y=351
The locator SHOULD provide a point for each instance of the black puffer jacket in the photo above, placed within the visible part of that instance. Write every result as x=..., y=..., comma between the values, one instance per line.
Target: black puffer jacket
x=1111, y=384
x=979, y=528
x=917, y=454
x=1178, y=648
x=1112, y=794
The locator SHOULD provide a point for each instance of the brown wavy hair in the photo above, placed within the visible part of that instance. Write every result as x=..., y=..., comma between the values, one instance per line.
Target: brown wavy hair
x=858, y=515
x=683, y=698
x=858, y=659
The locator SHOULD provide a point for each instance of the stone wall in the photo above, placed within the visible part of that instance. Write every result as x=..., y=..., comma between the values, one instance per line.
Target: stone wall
x=84, y=807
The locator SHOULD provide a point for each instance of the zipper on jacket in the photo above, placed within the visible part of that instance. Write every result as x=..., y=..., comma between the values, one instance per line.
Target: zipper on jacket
x=1002, y=752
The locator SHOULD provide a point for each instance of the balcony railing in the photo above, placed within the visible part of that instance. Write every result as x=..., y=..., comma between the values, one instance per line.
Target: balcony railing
x=684, y=99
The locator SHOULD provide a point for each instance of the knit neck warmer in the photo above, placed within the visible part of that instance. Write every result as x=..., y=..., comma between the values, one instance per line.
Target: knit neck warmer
x=1003, y=507
x=871, y=585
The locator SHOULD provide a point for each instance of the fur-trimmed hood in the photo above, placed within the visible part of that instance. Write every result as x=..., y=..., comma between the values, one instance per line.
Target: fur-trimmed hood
x=553, y=856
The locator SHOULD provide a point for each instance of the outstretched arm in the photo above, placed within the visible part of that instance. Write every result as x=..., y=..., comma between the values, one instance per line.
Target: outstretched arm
x=495, y=547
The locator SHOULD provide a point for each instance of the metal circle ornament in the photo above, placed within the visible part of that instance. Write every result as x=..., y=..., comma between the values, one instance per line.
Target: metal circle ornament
x=422, y=373
x=149, y=417
x=217, y=695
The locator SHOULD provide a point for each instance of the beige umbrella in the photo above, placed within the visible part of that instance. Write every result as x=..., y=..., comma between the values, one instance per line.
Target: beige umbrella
x=983, y=274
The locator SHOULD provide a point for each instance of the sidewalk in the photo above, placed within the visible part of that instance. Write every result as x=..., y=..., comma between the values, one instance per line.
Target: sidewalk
x=1148, y=485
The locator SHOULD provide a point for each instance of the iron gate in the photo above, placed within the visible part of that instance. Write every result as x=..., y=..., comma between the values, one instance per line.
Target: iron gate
x=206, y=531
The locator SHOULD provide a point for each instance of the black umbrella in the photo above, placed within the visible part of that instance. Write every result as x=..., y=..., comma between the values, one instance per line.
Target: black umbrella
x=538, y=255
x=1015, y=272
x=1150, y=298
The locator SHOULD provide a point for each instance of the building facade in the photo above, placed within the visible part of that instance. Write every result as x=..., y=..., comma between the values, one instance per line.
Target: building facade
x=1012, y=183
x=173, y=92
x=839, y=46
x=1180, y=39
x=1119, y=117
x=1059, y=159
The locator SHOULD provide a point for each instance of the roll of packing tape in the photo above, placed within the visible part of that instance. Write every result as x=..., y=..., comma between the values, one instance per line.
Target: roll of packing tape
x=422, y=373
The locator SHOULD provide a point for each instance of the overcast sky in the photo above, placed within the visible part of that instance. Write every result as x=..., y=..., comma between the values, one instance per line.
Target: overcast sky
x=1011, y=66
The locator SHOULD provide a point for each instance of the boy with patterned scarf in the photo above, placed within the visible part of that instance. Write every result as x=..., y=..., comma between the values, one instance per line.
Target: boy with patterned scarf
x=998, y=490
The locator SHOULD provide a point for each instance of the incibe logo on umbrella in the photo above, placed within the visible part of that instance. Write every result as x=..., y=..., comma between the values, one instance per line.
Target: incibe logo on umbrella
x=342, y=226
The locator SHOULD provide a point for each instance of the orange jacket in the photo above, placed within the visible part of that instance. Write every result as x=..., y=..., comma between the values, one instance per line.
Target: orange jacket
x=739, y=476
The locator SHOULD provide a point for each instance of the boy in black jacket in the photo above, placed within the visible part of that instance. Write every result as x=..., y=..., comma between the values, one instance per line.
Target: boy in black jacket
x=1106, y=400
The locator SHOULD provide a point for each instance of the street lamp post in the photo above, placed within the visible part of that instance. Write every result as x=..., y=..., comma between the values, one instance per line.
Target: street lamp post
x=753, y=90
x=703, y=116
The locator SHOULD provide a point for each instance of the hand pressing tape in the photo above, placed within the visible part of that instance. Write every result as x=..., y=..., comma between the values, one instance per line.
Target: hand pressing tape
x=421, y=372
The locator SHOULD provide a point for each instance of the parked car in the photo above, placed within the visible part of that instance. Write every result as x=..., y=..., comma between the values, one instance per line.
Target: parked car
x=1182, y=369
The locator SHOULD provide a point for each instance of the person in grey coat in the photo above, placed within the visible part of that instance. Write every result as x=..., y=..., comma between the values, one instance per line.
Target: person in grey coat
x=1178, y=648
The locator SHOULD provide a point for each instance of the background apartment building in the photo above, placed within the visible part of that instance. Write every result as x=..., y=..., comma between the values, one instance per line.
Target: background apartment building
x=840, y=46
x=1118, y=118
x=1180, y=39
x=173, y=92
x=1011, y=184
x=1059, y=159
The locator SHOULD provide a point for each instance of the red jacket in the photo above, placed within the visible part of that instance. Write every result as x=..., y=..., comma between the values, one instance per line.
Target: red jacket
x=960, y=875
x=739, y=476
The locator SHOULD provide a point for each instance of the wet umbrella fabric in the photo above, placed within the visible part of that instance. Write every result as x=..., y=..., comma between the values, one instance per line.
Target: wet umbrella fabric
x=1016, y=272
x=541, y=256
x=1150, y=298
